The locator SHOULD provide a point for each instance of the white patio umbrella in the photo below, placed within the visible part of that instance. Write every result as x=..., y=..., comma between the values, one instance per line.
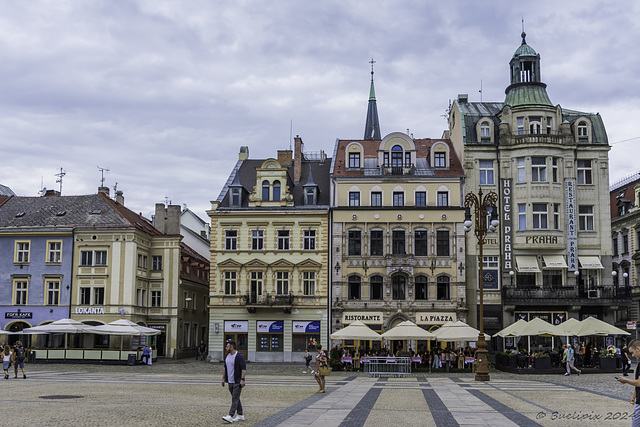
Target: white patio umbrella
x=356, y=331
x=458, y=331
x=593, y=326
x=513, y=330
x=569, y=327
x=407, y=330
x=542, y=328
x=62, y=326
x=122, y=327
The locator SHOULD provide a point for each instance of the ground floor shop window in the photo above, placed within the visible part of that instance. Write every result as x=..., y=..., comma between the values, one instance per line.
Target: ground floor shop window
x=270, y=342
x=302, y=342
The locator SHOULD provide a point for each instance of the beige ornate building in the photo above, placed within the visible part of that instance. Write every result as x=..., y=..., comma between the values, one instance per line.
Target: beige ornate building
x=397, y=239
x=549, y=165
x=269, y=256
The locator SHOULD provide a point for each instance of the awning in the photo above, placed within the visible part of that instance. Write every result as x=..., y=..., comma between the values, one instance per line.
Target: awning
x=554, y=261
x=590, y=262
x=527, y=264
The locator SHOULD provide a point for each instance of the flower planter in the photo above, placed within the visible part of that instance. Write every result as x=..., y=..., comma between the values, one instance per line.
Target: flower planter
x=542, y=363
x=512, y=361
x=609, y=363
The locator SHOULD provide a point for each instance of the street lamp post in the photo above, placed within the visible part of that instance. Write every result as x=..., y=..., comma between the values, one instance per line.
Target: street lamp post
x=481, y=207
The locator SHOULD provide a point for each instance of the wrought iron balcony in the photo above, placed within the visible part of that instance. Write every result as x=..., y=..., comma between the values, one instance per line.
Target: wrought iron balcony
x=601, y=295
x=268, y=300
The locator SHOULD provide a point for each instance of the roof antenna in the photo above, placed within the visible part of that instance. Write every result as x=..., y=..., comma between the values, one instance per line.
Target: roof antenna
x=59, y=180
x=480, y=90
x=523, y=33
x=102, y=171
x=290, y=134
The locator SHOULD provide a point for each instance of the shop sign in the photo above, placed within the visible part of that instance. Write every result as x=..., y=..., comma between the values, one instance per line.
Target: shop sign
x=366, y=317
x=435, y=318
x=158, y=327
x=18, y=315
x=89, y=310
x=631, y=325
x=264, y=327
x=506, y=224
x=236, y=326
x=572, y=224
x=306, y=327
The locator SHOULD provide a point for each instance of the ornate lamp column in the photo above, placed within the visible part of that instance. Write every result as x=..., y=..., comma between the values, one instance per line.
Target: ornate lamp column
x=481, y=207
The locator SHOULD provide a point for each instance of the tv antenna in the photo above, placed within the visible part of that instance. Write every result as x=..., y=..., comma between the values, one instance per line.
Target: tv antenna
x=60, y=176
x=102, y=171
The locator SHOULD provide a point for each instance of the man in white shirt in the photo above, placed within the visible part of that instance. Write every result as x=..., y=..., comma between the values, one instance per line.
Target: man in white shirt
x=235, y=369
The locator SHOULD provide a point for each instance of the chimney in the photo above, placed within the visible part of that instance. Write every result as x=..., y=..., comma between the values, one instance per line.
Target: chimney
x=167, y=220
x=104, y=190
x=463, y=98
x=51, y=193
x=244, y=153
x=119, y=197
x=285, y=157
x=297, y=159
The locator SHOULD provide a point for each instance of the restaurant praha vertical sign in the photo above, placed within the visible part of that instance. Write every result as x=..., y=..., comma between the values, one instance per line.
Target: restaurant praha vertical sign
x=572, y=225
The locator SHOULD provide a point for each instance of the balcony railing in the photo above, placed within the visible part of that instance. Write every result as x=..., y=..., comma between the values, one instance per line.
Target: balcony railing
x=568, y=295
x=268, y=300
x=535, y=138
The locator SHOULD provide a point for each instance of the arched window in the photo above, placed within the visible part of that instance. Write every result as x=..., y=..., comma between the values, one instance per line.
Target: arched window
x=485, y=131
x=398, y=283
x=421, y=288
x=276, y=190
x=396, y=156
x=265, y=190
x=444, y=288
x=583, y=132
x=354, y=287
x=375, y=290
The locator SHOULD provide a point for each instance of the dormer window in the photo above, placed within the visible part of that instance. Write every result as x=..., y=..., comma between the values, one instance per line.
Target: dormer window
x=310, y=196
x=354, y=160
x=265, y=191
x=396, y=156
x=583, y=132
x=235, y=197
x=276, y=190
x=485, y=131
x=535, y=125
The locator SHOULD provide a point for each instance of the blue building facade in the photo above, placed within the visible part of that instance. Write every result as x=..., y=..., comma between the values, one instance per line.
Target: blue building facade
x=35, y=276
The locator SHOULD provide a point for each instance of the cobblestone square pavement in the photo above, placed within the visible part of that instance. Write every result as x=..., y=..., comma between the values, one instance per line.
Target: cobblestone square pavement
x=187, y=392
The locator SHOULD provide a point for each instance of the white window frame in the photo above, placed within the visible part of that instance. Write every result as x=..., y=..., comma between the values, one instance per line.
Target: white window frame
x=257, y=240
x=540, y=216
x=284, y=240
x=522, y=170
x=585, y=218
x=282, y=283
x=486, y=172
x=538, y=170
x=520, y=125
x=354, y=198
x=309, y=283
x=230, y=240
x=20, y=291
x=309, y=240
x=52, y=287
x=156, y=299
x=522, y=217
x=22, y=251
x=378, y=195
x=585, y=172
x=230, y=282
x=54, y=252
x=442, y=196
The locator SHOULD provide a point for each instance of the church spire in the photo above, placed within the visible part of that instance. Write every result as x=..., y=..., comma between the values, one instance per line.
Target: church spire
x=372, y=126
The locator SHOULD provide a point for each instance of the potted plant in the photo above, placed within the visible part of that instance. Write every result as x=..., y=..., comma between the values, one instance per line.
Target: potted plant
x=334, y=359
x=542, y=361
x=609, y=359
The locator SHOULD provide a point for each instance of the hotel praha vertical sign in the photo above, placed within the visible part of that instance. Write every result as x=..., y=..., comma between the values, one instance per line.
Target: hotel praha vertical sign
x=507, y=228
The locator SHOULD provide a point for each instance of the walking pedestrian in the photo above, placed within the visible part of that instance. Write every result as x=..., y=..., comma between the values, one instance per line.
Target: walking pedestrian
x=570, y=358
x=307, y=361
x=7, y=358
x=235, y=370
x=18, y=359
x=202, y=350
x=321, y=362
x=634, y=348
x=626, y=360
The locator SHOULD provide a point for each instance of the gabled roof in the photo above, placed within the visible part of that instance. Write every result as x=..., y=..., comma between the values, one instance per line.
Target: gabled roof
x=370, y=159
x=95, y=210
x=6, y=191
x=244, y=174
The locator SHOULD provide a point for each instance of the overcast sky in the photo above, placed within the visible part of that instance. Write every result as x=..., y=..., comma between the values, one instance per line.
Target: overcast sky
x=164, y=93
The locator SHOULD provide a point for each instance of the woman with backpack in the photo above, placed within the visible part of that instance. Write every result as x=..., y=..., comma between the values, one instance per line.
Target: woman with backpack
x=18, y=359
x=7, y=358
